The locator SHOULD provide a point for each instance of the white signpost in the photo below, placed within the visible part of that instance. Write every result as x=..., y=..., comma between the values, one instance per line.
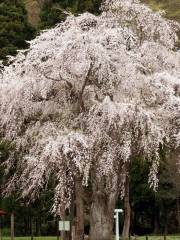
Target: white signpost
x=116, y=216
x=64, y=226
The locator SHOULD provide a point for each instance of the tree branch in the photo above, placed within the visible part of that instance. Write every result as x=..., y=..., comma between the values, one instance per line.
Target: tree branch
x=58, y=80
x=80, y=102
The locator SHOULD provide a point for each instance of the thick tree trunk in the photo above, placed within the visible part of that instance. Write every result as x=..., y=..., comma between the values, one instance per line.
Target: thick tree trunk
x=79, y=223
x=127, y=211
x=102, y=211
x=101, y=220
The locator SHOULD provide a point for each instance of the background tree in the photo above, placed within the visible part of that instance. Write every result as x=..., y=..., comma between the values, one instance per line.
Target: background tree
x=14, y=28
x=154, y=211
x=53, y=11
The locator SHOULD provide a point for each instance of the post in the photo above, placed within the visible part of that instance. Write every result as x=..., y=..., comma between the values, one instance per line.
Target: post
x=164, y=237
x=64, y=227
x=63, y=234
x=32, y=229
x=146, y=237
x=117, y=226
x=12, y=226
x=117, y=211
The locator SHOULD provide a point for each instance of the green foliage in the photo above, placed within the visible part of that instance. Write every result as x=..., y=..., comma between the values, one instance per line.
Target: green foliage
x=38, y=212
x=148, y=206
x=50, y=15
x=14, y=27
x=141, y=197
x=52, y=12
x=171, y=7
x=5, y=148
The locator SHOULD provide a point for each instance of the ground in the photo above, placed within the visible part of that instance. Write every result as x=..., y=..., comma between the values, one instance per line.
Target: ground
x=138, y=238
x=29, y=238
x=160, y=238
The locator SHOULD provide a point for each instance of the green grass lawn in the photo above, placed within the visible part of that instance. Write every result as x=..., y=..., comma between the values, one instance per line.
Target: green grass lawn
x=160, y=238
x=29, y=238
x=138, y=238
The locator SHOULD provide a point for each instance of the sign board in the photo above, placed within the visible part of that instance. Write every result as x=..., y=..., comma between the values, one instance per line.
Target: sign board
x=64, y=226
x=67, y=225
x=61, y=226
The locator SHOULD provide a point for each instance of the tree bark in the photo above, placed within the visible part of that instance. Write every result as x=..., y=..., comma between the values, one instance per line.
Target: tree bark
x=102, y=211
x=101, y=220
x=127, y=211
x=79, y=222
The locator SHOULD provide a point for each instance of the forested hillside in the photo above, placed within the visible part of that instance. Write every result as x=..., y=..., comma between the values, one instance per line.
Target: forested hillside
x=51, y=10
x=14, y=27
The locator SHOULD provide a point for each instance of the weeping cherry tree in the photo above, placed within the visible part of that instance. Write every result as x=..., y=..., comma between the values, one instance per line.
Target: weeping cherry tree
x=86, y=98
